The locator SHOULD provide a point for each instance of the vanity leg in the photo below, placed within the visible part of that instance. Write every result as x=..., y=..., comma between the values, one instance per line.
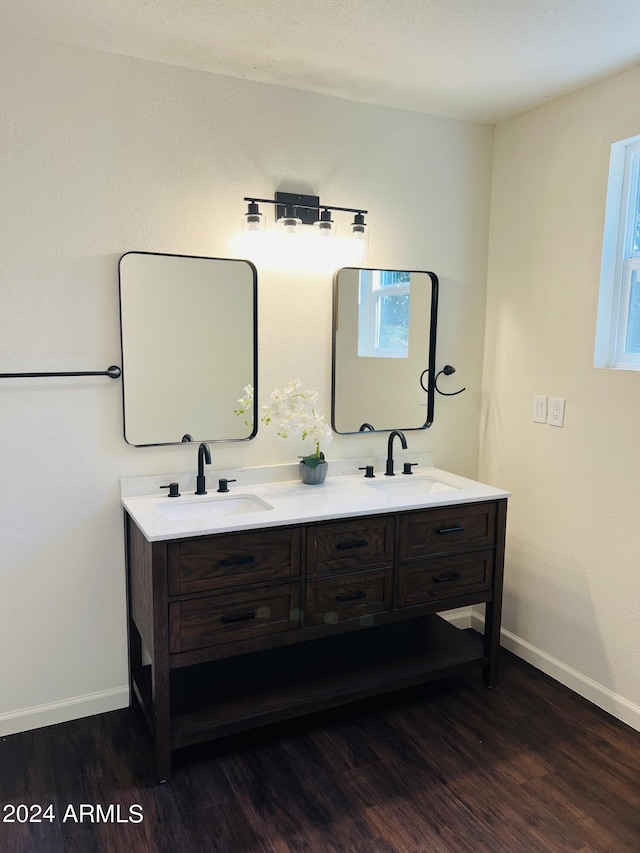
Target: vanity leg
x=161, y=721
x=134, y=640
x=160, y=672
x=163, y=763
x=491, y=645
x=493, y=612
x=135, y=661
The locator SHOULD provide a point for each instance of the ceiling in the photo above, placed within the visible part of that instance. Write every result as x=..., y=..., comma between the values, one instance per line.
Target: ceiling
x=478, y=60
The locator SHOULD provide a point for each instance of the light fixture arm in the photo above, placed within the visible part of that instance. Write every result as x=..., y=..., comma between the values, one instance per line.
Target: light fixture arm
x=322, y=205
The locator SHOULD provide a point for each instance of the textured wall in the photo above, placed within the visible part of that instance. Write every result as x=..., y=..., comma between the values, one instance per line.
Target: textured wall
x=572, y=580
x=102, y=155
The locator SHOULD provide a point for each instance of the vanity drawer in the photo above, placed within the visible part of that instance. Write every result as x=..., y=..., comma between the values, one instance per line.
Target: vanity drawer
x=215, y=562
x=351, y=596
x=447, y=529
x=341, y=545
x=232, y=617
x=439, y=578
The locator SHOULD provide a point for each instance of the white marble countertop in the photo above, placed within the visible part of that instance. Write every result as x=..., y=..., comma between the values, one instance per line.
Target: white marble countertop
x=291, y=502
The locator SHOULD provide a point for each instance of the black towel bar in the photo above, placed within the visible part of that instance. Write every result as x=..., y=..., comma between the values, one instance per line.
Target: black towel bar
x=112, y=372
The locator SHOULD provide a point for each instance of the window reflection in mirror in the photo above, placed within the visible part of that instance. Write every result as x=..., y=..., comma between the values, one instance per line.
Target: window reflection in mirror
x=383, y=314
x=188, y=331
x=384, y=337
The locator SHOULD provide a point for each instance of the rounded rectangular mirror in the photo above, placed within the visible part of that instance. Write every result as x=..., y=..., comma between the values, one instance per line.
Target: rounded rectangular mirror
x=384, y=342
x=189, y=347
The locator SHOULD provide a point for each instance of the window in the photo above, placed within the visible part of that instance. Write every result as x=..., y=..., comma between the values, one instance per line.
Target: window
x=383, y=314
x=618, y=328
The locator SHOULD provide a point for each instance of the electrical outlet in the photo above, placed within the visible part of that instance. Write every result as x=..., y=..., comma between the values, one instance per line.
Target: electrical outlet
x=556, y=412
x=539, y=410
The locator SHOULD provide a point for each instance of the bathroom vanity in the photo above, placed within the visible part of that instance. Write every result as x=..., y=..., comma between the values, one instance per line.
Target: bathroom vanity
x=282, y=599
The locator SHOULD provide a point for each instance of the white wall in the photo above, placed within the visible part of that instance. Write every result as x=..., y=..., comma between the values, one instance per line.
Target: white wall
x=572, y=596
x=104, y=154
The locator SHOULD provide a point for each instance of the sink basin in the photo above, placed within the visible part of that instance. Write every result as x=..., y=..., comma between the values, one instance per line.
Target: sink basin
x=403, y=484
x=200, y=509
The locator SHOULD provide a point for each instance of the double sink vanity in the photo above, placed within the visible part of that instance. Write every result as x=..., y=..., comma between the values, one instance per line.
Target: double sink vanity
x=274, y=600
x=265, y=599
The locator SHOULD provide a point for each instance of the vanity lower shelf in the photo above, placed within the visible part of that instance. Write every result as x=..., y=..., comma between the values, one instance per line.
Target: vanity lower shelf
x=240, y=693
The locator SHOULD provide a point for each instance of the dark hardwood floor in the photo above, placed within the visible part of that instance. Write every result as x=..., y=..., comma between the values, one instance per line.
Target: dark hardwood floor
x=451, y=767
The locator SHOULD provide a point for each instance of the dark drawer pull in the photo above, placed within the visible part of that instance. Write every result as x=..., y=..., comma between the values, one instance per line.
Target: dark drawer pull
x=238, y=561
x=451, y=530
x=357, y=543
x=353, y=597
x=456, y=576
x=238, y=617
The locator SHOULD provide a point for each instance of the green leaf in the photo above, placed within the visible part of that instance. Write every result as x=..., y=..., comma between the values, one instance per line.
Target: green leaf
x=314, y=460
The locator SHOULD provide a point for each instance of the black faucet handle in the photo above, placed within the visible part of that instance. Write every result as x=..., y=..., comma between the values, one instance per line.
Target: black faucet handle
x=173, y=490
x=223, y=484
x=368, y=469
x=406, y=468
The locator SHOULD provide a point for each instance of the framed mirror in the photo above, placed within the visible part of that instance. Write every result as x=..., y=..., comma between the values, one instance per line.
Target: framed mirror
x=188, y=328
x=384, y=344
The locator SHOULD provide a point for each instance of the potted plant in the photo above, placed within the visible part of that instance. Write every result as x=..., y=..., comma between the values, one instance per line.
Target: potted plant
x=296, y=414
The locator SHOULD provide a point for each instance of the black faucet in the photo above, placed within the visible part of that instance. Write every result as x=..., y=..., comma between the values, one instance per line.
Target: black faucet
x=204, y=455
x=403, y=441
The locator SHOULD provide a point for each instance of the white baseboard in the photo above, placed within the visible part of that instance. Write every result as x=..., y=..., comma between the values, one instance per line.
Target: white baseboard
x=460, y=618
x=62, y=712
x=584, y=686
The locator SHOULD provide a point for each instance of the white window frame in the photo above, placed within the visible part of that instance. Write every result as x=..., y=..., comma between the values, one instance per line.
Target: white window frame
x=371, y=292
x=619, y=261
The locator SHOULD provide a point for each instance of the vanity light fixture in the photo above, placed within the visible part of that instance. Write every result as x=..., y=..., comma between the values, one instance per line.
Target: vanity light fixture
x=293, y=210
x=254, y=220
x=325, y=226
x=359, y=227
x=290, y=223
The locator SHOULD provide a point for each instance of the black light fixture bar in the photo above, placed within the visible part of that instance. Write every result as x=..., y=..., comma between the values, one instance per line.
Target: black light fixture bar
x=316, y=205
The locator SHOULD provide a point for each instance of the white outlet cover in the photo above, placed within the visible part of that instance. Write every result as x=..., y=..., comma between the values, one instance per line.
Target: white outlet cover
x=556, y=411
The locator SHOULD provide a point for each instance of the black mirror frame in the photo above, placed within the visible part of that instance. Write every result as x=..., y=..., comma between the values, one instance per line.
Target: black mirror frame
x=185, y=438
x=431, y=357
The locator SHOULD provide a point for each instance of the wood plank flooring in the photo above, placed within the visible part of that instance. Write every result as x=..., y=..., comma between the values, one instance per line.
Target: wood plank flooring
x=527, y=767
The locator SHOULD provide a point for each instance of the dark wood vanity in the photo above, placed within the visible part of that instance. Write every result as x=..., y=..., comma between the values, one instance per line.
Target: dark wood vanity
x=248, y=628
